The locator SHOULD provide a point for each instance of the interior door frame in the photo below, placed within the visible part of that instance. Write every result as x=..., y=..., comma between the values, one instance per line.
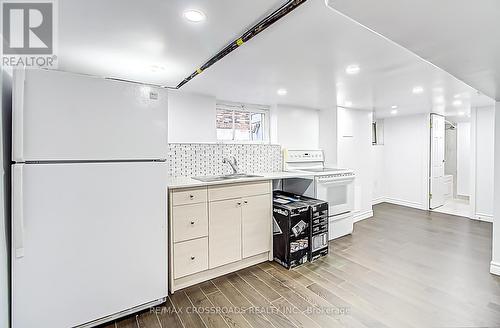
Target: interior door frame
x=473, y=165
x=429, y=173
x=473, y=158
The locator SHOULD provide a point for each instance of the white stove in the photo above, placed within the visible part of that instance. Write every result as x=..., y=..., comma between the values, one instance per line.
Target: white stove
x=334, y=185
x=311, y=161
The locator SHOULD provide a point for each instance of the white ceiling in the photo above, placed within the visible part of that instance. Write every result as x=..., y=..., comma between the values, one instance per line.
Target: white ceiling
x=149, y=40
x=460, y=36
x=306, y=52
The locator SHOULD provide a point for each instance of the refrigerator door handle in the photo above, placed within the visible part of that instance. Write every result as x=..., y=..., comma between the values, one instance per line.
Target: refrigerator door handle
x=18, y=86
x=17, y=210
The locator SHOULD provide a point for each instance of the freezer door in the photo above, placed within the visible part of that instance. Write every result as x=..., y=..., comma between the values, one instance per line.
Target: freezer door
x=66, y=116
x=89, y=240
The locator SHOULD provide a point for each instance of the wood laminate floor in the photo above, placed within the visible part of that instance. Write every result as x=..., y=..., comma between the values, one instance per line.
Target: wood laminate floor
x=402, y=268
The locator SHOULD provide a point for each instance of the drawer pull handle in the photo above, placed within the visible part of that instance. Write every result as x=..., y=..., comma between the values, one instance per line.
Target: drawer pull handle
x=192, y=257
x=192, y=222
x=191, y=197
x=238, y=203
x=246, y=202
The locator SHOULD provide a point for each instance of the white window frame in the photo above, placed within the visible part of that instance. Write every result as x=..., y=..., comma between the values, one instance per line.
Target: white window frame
x=253, y=108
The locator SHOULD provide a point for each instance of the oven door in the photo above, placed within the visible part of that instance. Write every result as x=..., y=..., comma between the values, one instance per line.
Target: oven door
x=338, y=192
x=299, y=186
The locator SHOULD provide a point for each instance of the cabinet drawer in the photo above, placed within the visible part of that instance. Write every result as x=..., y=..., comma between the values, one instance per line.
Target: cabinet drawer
x=189, y=196
x=238, y=190
x=189, y=221
x=190, y=257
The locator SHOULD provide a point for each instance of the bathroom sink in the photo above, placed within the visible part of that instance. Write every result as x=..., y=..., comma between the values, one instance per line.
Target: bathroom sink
x=213, y=178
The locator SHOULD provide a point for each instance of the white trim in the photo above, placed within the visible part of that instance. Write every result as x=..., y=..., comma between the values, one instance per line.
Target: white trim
x=254, y=108
x=428, y=164
x=473, y=161
x=205, y=275
x=495, y=268
x=122, y=313
x=378, y=200
x=362, y=215
x=483, y=217
x=406, y=203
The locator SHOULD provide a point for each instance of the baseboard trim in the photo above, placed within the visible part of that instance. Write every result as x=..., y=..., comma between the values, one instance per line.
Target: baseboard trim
x=208, y=274
x=378, y=200
x=406, y=203
x=483, y=217
x=362, y=215
x=495, y=268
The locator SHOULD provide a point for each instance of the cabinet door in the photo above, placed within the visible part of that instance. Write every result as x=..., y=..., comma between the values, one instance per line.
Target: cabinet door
x=224, y=230
x=256, y=225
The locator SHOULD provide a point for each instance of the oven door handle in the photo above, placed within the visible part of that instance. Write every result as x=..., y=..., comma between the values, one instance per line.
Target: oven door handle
x=336, y=181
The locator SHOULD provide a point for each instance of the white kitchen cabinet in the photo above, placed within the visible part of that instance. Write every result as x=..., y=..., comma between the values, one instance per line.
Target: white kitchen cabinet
x=191, y=221
x=237, y=190
x=215, y=230
x=189, y=196
x=190, y=257
x=224, y=224
x=255, y=230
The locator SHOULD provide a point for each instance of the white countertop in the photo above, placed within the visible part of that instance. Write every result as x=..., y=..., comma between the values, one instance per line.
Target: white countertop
x=187, y=182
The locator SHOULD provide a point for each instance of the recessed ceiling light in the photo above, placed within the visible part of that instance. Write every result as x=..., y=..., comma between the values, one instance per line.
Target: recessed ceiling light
x=461, y=113
x=194, y=16
x=348, y=103
x=352, y=69
x=157, y=68
x=282, y=92
x=457, y=102
x=417, y=90
x=394, y=106
x=394, y=112
x=457, y=96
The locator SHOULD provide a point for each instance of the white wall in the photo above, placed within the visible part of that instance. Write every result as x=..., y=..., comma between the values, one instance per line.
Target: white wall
x=191, y=118
x=295, y=127
x=495, y=262
x=355, y=152
x=406, y=160
x=485, y=145
x=463, y=158
x=328, y=135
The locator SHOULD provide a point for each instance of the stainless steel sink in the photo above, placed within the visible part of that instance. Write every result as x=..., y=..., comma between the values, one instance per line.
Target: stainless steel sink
x=213, y=178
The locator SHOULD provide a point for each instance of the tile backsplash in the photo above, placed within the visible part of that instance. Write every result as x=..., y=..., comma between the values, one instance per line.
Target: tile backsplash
x=194, y=159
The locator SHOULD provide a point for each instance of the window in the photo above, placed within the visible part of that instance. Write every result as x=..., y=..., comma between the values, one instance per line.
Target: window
x=242, y=122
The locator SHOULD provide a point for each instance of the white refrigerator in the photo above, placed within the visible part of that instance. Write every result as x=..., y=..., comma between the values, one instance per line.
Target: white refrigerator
x=89, y=203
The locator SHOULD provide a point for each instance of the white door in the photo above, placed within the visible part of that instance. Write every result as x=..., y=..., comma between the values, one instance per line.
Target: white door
x=88, y=240
x=66, y=116
x=256, y=225
x=437, y=183
x=224, y=228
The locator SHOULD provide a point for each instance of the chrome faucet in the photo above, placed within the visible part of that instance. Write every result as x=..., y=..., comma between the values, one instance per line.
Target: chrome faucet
x=233, y=163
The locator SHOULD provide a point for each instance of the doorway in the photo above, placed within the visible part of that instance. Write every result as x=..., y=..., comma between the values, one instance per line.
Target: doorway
x=450, y=171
